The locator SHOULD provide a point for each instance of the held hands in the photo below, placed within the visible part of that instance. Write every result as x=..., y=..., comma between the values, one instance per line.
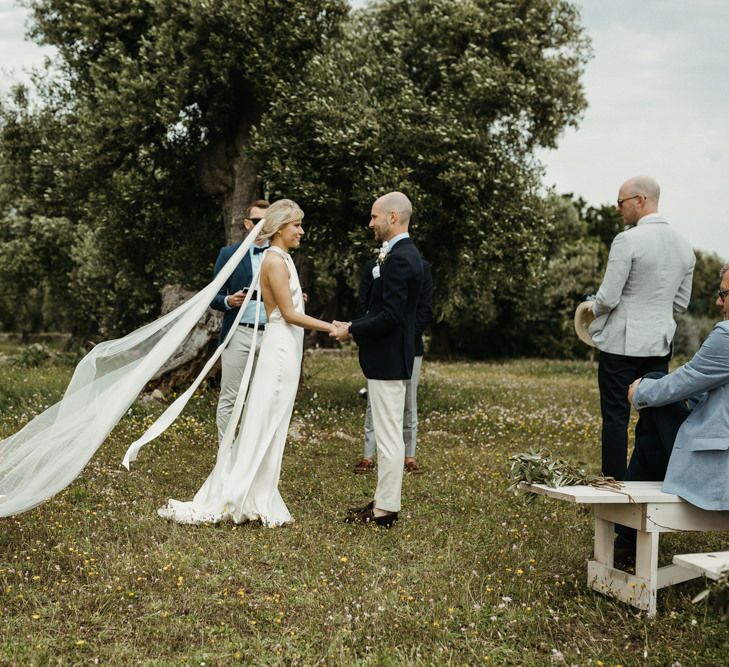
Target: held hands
x=631, y=390
x=340, y=331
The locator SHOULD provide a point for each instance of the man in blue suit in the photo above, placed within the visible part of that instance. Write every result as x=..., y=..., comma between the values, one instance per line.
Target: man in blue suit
x=682, y=435
x=386, y=339
x=229, y=300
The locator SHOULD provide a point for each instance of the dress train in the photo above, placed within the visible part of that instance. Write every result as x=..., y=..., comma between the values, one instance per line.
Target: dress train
x=243, y=485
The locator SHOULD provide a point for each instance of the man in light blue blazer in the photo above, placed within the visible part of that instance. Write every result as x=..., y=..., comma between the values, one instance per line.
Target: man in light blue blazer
x=697, y=451
x=682, y=435
x=647, y=279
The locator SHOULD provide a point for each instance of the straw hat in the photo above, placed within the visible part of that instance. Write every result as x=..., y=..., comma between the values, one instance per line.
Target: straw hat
x=583, y=319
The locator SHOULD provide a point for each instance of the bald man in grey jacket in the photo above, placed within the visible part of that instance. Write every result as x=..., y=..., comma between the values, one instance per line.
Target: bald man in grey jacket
x=647, y=280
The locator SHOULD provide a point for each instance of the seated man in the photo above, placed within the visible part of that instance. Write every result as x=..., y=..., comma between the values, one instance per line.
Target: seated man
x=682, y=435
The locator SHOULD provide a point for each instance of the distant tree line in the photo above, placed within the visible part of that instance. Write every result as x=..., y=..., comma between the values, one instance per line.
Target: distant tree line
x=133, y=159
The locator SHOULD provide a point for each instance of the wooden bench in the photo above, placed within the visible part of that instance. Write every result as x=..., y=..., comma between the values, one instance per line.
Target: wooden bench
x=643, y=506
x=711, y=564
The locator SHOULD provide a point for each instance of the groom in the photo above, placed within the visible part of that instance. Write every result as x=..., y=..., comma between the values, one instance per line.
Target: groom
x=386, y=339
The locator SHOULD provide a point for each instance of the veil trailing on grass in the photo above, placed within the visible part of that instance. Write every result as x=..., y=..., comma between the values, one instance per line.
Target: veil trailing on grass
x=48, y=453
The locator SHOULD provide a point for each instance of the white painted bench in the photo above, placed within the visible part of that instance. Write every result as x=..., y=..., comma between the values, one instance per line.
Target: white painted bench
x=711, y=564
x=643, y=506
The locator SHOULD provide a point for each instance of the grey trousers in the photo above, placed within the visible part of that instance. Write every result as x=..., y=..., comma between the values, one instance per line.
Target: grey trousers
x=410, y=417
x=234, y=360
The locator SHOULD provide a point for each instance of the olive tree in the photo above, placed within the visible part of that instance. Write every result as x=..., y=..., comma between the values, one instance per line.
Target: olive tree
x=139, y=137
x=447, y=101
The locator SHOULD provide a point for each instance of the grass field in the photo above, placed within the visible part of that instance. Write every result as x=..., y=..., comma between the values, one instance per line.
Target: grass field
x=470, y=575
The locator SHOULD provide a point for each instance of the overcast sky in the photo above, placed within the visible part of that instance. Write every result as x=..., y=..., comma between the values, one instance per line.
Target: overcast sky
x=658, y=96
x=658, y=93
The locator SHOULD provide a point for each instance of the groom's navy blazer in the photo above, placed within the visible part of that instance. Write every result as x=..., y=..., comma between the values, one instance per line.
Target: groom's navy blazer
x=238, y=280
x=423, y=311
x=386, y=333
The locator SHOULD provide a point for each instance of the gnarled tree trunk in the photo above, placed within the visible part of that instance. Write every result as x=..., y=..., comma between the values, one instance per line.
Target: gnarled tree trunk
x=226, y=173
x=190, y=357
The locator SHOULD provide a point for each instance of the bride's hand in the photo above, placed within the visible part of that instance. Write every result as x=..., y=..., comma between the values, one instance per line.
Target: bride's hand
x=341, y=331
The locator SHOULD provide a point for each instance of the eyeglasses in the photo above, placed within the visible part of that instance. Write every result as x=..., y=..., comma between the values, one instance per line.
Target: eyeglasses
x=620, y=201
x=722, y=294
x=255, y=221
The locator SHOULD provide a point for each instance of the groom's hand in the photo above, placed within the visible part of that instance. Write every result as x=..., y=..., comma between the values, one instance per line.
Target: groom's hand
x=341, y=331
x=335, y=330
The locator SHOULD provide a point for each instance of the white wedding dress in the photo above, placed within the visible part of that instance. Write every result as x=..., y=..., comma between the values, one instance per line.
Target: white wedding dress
x=243, y=485
x=49, y=452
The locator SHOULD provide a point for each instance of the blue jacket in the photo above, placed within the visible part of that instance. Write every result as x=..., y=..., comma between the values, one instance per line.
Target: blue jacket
x=386, y=333
x=238, y=280
x=698, y=470
x=423, y=312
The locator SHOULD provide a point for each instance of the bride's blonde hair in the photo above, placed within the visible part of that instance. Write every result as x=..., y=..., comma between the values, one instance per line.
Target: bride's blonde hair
x=279, y=214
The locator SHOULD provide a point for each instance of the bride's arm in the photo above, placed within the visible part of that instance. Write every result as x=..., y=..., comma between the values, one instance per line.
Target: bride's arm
x=275, y=276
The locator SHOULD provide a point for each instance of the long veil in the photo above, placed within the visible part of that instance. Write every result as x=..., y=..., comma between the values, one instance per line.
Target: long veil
x=49, y=452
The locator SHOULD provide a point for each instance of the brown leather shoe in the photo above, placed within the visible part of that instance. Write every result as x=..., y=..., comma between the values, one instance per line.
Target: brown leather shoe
x=413, y=467
x=365, y=465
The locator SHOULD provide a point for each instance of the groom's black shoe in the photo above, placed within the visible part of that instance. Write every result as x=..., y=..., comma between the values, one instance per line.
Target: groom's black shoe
x=385, y=521
x=355, y=511
x=366, y=515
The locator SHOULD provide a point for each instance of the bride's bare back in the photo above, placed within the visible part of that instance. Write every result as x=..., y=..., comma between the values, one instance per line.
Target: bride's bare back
x=275, y=280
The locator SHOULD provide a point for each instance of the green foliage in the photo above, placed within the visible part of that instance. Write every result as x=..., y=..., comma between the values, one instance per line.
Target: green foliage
x=34, y=267
x=717, y=596
x=691, y=332
x=145, y=91
x=572, y=273
x=573, y=269
x=107, y=190
x=705, y=284
x=540, y=467
x=445, y=101
x=33, y=355
x=603, y=222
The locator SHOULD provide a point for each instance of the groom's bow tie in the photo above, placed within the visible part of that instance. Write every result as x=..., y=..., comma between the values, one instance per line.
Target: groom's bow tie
x=257, y=249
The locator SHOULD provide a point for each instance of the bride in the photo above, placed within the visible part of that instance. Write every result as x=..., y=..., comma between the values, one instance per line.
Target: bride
x=51, y=450
x=243, y=485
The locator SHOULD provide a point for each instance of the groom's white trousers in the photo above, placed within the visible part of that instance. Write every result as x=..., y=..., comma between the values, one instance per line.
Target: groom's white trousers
x=409, y=417
x=387, y=398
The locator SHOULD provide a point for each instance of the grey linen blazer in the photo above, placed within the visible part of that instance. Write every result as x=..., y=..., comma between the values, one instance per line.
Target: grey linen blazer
x=648, y=278
x=698, y=469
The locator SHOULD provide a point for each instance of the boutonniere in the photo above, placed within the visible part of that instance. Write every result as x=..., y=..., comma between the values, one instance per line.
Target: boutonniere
x=382, y=256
